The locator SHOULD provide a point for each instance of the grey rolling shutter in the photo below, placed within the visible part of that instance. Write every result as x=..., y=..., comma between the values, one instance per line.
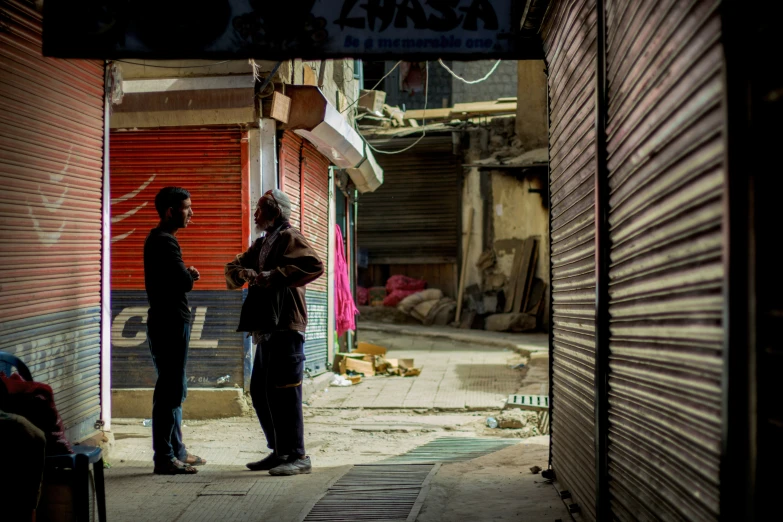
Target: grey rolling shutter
x=665, y=150
x=415, y=213
x=569, y=43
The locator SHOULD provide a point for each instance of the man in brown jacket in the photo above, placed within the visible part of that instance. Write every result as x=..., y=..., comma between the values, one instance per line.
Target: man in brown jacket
x=277, y=267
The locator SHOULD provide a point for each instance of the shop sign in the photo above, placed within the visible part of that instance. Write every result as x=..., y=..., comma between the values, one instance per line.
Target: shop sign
x=179, y=29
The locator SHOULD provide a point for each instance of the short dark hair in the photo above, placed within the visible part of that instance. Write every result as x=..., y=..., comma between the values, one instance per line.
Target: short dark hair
x=170, y=197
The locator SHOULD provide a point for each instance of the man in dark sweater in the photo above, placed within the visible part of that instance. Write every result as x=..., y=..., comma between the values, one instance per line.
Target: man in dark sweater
x=277, y=267
x=168, y=281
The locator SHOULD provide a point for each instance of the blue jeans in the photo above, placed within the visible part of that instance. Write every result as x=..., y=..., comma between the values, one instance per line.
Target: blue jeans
x=168, y=342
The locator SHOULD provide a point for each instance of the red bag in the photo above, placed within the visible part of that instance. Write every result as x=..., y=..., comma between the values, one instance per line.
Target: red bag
x=363, y=295
x=35, y=402
x=401, y=282
x=394, y=298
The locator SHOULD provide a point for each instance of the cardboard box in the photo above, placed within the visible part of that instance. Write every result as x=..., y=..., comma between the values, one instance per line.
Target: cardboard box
x=405, y=364
x=372, y=100
x=372, y=349
x=280, y=107
x=365, y=367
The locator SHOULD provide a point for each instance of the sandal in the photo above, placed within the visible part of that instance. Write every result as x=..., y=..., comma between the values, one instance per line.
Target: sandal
x=175, y=467
x=194, y=460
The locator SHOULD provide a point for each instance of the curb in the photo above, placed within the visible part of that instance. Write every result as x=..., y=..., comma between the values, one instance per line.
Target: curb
x=318, y=382
x=521, y=348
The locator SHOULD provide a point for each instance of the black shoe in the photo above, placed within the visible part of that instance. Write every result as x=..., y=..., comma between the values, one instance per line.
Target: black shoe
x=267, y=463
x=301, y=466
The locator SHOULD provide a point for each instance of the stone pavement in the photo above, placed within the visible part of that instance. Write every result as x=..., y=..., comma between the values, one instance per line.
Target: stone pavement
x=381, y=417
x=223, y=490
x=524, y=343
x=455, y=376
x=487, y=488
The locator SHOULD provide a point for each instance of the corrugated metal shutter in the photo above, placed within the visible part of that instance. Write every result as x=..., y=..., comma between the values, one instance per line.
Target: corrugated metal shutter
x=304, y=177
x=290, y=172
x=316, y=347
x=51, y=170
x=570, y=46
x=208, y=163
x=315, y=227
x=415, y=213
x=315, y=208
x=665, y=145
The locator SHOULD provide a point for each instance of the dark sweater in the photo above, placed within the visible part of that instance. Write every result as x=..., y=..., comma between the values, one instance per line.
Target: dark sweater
x=166, y=278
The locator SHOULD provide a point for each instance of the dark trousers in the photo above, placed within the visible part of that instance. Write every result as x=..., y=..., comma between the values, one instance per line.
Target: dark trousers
x=276, y=390
x=168, y=342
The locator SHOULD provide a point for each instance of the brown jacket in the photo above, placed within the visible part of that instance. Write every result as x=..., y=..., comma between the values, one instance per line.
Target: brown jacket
x=281, y=306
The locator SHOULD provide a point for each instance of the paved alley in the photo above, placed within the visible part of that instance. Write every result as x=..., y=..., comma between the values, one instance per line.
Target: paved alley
x=455, y=376
x=383, y=417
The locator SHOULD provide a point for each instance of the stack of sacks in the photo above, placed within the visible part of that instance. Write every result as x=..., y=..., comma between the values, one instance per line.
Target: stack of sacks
x=429, y=307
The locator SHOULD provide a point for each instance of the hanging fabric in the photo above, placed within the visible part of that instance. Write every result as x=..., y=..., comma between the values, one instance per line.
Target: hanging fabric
x=345, y=308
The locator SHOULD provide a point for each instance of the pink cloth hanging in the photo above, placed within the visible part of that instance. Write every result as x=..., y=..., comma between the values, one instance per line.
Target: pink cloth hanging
x=345, y=308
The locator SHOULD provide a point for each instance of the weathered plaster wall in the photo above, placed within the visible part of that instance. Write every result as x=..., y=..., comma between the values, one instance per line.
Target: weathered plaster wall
x=149, y=69
x=532, y=115
x=519, y=214
x=503, y=198
x=339, y=86
x=471, y=200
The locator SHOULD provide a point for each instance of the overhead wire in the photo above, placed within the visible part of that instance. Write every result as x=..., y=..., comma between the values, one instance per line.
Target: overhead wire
x=373, y=87
x=423, y=120
x=470, y=82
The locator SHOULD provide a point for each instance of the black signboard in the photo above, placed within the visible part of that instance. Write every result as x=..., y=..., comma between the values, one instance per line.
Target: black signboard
x=284, y=29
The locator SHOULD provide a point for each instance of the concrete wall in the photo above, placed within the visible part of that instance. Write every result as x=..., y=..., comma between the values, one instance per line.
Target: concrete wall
x=519, y=214
x=472, y=201
x=502, y=197
x=339, y=85
x=532, y=103
x=502, y=83
x=150, y=69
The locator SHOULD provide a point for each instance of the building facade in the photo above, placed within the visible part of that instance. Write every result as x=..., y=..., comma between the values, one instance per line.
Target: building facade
x=208, y=133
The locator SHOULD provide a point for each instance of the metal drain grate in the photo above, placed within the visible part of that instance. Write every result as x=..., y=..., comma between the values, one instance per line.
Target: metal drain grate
x=377, y=492
x=452, y=449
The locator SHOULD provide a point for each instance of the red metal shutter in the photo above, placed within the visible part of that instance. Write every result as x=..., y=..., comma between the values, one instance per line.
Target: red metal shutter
x=208, y=163
x=205, y=162
x=304, y=177
x=51, y=170
x=290, y=172
x=570, y=46
x=665, y=132
x=315, y=227
x=315, y=208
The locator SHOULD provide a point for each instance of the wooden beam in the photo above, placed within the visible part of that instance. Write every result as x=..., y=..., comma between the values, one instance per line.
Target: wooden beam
x=522, y=286
x=464, y=271
x=429, y=114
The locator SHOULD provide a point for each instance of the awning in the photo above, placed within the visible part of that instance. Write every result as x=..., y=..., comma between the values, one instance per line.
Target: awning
x=320, y=123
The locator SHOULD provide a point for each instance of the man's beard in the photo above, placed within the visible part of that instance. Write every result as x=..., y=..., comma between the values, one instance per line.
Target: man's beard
x=262, y=227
